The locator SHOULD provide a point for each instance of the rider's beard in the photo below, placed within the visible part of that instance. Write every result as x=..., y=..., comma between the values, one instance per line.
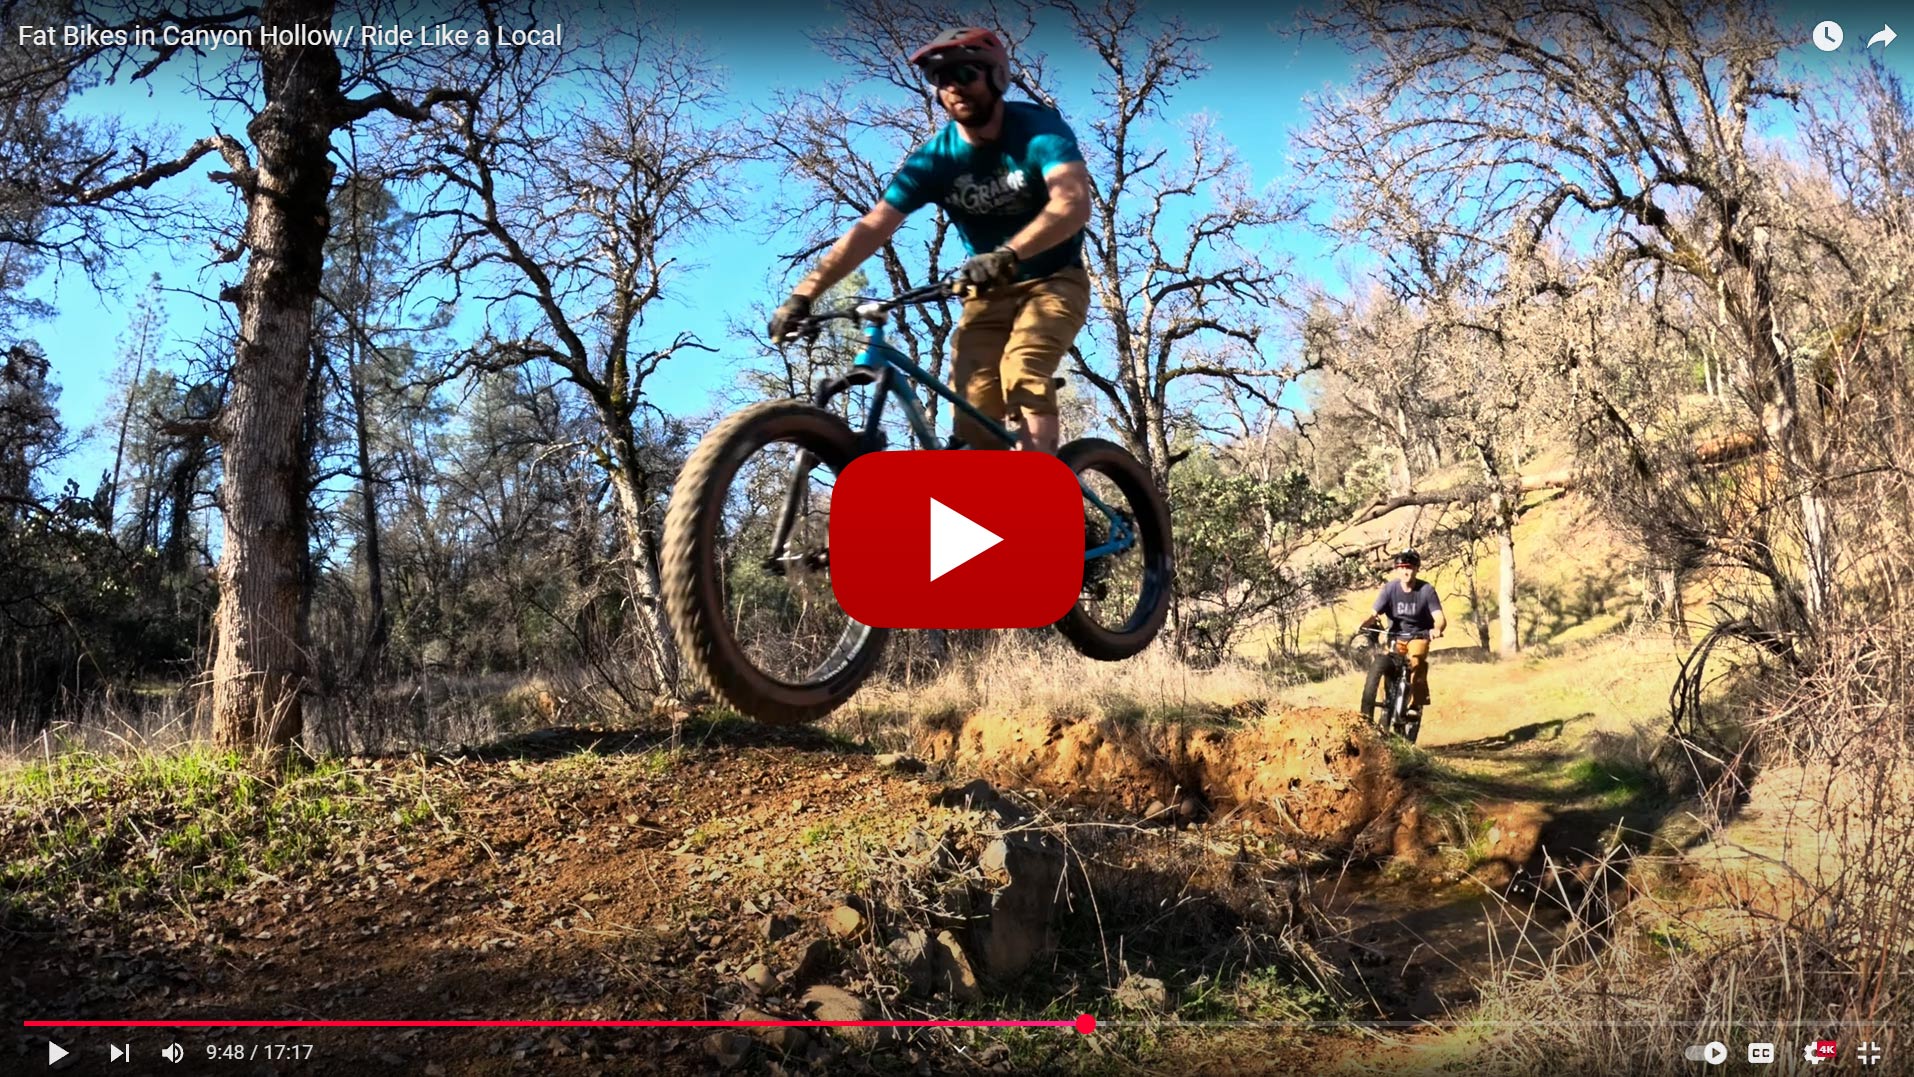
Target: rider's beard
x=974, y=116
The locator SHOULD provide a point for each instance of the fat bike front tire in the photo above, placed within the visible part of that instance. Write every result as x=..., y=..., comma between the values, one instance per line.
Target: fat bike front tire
x=1377, y=704
x=695, y=601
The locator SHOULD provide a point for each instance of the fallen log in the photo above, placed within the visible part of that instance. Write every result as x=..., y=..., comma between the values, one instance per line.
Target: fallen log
x=1726, y=449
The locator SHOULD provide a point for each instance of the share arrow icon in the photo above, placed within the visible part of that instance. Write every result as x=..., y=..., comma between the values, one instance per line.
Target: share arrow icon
x=1884, y=38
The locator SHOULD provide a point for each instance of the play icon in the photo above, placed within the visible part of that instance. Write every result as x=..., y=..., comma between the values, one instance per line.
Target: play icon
x=968, y=539
x=955, y=538
x=55, y=1052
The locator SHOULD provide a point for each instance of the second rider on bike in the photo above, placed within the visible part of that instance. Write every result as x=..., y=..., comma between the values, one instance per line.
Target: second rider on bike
x=1416, y=617
x=1010, y=177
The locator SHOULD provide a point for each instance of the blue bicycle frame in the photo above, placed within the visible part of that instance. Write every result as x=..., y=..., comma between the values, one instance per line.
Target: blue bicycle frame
x=886, y=362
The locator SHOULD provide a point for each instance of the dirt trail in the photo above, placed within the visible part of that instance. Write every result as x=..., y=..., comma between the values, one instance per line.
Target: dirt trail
x=582, y=876
x=590, y=875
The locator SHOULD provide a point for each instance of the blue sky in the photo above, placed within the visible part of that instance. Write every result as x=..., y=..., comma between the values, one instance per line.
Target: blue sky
x=1259, y=75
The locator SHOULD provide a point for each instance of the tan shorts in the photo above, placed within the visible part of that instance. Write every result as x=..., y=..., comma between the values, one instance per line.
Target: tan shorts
x=1418, y=655
x=1009, y=345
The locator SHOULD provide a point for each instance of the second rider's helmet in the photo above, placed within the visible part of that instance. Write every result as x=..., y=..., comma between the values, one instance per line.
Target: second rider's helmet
x=1410, y=558
x=967, y=44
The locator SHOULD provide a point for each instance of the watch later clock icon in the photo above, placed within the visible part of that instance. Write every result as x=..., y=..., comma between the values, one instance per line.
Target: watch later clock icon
x=1827, y=36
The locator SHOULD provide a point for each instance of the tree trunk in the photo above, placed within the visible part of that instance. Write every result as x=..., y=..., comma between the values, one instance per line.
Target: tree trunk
x=376, y=629
x=1502, y=509
x=1476, y=613
x=1817, y=551
x=259, y=667
x=647, y=590
x=1668, y=584
x=311, y=418
x=1405, y=471
x=126, y=421
x=1793, y=421
x=1505, y=592
x=179, y=494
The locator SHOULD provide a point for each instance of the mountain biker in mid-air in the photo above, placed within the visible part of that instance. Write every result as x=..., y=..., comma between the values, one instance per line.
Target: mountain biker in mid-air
x=1415, y=616
x=1010, y=177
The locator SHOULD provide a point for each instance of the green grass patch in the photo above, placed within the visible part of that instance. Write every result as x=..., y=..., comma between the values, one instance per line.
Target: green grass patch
x=1615, y=783
x=1266, y=993
x=115, y=834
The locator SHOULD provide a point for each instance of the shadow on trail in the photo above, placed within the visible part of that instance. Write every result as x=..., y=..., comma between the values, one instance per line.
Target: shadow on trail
x=1534, y=731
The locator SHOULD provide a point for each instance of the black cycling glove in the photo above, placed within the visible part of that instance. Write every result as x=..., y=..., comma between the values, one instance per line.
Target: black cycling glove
x=991, y=269
x=792, y=310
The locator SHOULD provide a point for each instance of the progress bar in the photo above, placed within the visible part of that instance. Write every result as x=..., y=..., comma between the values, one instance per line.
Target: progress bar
x=1083, y=1023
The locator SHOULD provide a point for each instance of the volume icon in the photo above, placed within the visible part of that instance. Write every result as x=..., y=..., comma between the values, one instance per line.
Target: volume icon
x=172, y=1052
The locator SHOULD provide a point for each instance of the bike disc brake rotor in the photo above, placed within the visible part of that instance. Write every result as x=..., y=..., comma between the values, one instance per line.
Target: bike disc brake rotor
x=778, y=601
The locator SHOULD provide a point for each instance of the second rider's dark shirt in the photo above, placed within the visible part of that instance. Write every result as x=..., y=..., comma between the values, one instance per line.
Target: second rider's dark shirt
x=1411, y=613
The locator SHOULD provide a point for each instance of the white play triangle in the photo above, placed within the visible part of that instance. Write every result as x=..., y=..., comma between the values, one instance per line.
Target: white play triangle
x=954, y=538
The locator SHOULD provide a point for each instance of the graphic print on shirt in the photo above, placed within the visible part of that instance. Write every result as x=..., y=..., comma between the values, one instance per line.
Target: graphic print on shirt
x=1006, y=192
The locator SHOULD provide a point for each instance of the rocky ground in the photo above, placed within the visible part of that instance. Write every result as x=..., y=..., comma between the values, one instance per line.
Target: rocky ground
x=728, y=871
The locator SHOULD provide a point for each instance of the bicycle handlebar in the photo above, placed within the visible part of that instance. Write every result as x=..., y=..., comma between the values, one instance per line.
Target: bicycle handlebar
x=928, y=293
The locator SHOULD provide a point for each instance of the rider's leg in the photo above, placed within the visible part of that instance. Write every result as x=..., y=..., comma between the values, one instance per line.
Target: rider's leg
x=1053, y=310
x=1041, y=432
x=975, y=371
x=1418, y=673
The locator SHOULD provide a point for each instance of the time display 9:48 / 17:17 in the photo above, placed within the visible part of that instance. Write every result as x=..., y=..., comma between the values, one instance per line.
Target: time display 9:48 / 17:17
x=257, y=1052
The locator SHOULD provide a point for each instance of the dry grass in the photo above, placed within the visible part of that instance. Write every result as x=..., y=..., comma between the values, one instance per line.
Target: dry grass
x=1794, y=920
x=1022, y=673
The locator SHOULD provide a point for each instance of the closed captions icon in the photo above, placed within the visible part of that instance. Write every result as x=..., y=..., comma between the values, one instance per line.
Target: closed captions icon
x=1761, y=1052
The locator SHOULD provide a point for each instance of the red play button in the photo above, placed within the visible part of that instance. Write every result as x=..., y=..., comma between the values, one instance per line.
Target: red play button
x=963, y=539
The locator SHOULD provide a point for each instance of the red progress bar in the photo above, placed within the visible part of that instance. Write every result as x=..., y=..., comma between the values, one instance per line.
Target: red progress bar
x=1084, y=1023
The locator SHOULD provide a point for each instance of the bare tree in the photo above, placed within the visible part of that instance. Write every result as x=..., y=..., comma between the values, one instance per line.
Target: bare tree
x=1188, y=294
x=569, y=223
x=1374, y=366
x=1637, y=121
x=298, y=93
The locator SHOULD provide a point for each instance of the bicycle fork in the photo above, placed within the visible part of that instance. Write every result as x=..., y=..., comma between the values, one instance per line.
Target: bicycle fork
x=794, y=496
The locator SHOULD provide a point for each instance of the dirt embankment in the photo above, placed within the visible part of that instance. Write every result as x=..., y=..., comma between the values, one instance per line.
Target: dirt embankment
x=1316, y=775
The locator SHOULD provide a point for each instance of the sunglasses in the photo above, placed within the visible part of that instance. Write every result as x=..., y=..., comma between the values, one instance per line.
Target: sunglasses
x=956, y=75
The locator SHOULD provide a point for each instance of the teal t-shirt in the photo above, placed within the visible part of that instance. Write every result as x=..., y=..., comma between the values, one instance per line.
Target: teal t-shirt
x=991, y=191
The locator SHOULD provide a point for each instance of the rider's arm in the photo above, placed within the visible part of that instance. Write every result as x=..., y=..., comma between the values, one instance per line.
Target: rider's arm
x=1382, y=603
x=861, y=241
x=1063, y=216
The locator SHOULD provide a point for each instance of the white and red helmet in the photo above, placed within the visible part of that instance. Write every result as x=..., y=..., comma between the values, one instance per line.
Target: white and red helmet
x=967, y=44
